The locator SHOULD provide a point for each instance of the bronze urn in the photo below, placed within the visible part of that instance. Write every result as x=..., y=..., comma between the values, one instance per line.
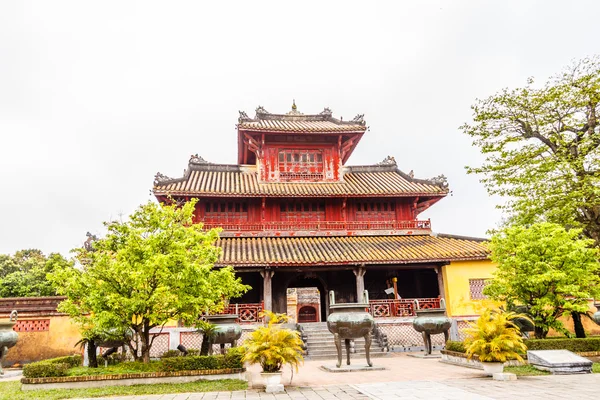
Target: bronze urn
x=596, y=316
x=350, y=321
x=432, y=321
x=227, y=330
x=8, y=337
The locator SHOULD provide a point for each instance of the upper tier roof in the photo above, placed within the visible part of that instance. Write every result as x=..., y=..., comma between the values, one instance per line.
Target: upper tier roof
x=297, y=122
x=383, y=180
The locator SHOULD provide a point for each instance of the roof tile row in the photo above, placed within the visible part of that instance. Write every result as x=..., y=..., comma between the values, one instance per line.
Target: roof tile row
x=278, y=251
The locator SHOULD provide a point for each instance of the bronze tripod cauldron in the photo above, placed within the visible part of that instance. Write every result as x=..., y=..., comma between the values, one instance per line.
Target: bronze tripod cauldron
x=350, y=321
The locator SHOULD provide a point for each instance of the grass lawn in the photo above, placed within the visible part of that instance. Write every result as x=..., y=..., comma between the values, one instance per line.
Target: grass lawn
x=525, y=370
x=528, y=370
x=12, y=390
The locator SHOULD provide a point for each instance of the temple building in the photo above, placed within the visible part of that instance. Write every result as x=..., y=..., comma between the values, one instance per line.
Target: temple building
x=294, y=215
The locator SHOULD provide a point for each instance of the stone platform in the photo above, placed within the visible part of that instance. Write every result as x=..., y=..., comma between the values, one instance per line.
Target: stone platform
x=351, y=368
x=559, y=362
x=426, y=356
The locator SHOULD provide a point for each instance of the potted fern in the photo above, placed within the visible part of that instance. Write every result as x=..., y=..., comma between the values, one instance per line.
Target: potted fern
x=495, y=339
x=273, y=346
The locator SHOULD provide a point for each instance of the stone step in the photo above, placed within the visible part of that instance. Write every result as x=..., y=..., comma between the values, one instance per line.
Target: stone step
x=356, y=357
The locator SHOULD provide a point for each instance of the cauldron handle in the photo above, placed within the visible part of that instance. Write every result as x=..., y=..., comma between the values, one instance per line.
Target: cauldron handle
x=13, y=316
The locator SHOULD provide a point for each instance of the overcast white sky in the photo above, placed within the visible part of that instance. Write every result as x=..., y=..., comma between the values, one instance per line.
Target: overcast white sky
x=96, y=97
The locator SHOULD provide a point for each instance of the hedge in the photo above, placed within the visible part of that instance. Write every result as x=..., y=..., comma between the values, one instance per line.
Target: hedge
x=59, y=366
x=233, y=359
x=576, y=345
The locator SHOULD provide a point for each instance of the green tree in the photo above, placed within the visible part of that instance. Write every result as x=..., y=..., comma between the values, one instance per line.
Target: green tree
x=24, y=273
x=154, y=268
x=542, y=148
x=548, y=269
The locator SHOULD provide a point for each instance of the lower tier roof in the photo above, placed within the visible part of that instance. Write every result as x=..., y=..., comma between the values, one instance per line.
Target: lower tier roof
x=351, y=250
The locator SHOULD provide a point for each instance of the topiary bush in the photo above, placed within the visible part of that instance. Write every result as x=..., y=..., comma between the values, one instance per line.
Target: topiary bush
x=52, y=367
x=44, y=369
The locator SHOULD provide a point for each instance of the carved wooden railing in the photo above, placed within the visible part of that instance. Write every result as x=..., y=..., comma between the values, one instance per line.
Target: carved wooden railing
x=247, y=312
x=402, y=307
x=319, y=225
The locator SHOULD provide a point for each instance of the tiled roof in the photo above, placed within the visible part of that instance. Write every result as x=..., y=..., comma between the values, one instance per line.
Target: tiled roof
x=300, y=126
x=234, y=180
x=295, y=121
x=340, y=250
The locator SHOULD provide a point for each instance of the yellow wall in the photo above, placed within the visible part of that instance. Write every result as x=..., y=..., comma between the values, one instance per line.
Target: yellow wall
x=58, y=340
x=456, y=285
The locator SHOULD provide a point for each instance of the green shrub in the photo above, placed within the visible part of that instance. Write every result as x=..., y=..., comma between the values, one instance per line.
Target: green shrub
x=193, y=352
x=459, y=347
x=171, y=353
x=576, y=345
x=73, y=361
x=52, y=367
x=44, y=369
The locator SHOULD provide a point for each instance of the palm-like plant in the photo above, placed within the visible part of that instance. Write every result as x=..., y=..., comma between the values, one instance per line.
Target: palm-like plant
x=272, y=346
x=208, y=331
x=494, y=337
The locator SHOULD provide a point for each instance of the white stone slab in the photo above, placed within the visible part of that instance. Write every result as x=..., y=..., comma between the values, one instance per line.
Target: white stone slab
x=559, y=361
x=504, y=376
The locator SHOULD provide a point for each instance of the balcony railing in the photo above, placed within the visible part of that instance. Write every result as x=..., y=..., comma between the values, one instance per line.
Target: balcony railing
x=250, y=312
x=401, y=307
x=247, y=312
x=319, y=225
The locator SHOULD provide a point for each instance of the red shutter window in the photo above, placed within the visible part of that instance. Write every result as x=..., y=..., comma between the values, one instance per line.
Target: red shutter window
x=298, y=165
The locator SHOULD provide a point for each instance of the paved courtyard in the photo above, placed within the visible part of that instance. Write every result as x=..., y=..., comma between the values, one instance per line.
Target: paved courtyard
x=571, y=387
x=405, y=378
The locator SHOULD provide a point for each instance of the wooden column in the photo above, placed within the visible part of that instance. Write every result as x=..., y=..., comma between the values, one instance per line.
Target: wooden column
x=440, y=279
x=360, y=282
x=267, y=275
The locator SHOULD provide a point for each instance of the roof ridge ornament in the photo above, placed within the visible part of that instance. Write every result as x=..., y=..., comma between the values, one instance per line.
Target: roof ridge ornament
x=294, y=109
x=359, y=119
x=326, y=112
x=261, y=110
x=389, y=160
x=161, y=178
x=440, y=181
x=196, y=159
x=243, y=116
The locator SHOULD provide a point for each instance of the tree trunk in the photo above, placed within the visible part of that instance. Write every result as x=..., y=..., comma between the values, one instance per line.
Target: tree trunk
x=578, y=326
x=91, y=352
x=145, y=337
x=540, y=333
x=205, y=345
